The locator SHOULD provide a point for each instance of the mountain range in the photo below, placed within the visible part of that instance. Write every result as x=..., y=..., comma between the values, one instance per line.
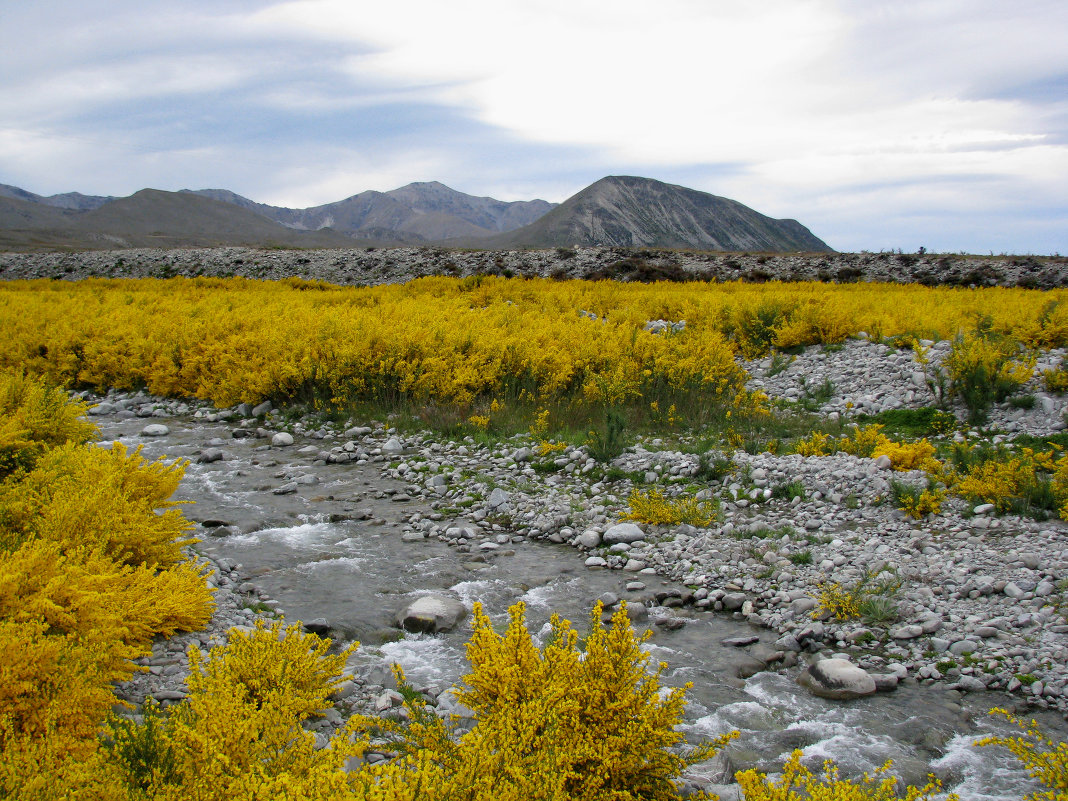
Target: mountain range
x=621, y=211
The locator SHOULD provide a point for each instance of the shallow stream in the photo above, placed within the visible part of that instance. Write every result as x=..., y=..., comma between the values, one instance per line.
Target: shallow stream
x=336, y=549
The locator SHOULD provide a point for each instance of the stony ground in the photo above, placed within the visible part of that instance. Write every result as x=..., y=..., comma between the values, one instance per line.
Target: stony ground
x=393, y=265
x=979, y=606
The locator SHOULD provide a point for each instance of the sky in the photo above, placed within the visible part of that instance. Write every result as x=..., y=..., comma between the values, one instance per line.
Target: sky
x=940, y=124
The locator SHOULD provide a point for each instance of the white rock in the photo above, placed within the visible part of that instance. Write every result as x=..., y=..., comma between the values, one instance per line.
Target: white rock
x=155, y=430
x=282, y=439
x=623, y=532
x=837, y=679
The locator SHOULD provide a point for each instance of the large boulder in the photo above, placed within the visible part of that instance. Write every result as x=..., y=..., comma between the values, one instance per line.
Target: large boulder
x=837, y=679
x=623, y=532
x=432, y=613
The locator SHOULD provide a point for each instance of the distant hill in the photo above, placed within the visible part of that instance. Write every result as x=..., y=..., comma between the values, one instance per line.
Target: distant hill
x=67, y=200
x=419, y=212
x=626, y=211
x=617, y=211
x=149, y=218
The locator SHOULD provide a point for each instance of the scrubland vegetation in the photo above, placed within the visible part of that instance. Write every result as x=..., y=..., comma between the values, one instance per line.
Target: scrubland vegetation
x=94, y=561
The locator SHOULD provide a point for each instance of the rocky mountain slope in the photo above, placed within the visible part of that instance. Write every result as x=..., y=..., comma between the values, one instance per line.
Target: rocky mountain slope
x=628, y=211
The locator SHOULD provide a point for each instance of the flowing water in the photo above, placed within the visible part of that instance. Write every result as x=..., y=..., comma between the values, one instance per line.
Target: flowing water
x=335, y=550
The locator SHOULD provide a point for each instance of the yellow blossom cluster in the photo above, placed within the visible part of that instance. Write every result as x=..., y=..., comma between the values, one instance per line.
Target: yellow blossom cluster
x=90, y=573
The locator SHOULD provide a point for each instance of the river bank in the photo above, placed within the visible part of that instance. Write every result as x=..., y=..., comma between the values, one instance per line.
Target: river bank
x=349, y=523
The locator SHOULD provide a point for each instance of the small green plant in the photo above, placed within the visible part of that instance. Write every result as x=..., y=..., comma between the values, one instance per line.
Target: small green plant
x=790, y=490
x=713, y=467
x=916, y=502
x=983, y=367
x=871, y=596
x=779, y=362
x=1026, y=679
x=801, y=557
x=1022, y=401
x=815, y=397
x=607, y=445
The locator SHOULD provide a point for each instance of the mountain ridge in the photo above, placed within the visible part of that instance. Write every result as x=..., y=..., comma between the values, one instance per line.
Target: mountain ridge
x=630, y=211
x=621, y=211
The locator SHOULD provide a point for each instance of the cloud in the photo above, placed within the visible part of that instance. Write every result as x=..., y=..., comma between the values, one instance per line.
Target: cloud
x=868, y=122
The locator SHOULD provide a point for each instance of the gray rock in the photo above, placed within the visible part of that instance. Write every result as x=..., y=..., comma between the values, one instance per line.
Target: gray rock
x=588, y=539
x=209, y=455
x=498, y=500
x=521, y=455
x=432, y=613
x=262, y=409
x=155, y=430
x=282, y=439
x=733, y=600
x=393, y=445
x=837, y=679
x=623, y=532
x=102, y=408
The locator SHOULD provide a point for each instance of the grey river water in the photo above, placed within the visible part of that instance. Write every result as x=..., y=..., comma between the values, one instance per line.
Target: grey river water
x=334, y=549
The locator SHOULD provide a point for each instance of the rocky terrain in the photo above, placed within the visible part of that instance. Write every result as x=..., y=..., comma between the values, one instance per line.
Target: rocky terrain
x=367, y=266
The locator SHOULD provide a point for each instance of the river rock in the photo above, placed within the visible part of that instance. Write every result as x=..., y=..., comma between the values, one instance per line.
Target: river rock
x=588, y=539
x=837, y=679
x=393, y=445
x=282, y=439
x=155, y=430
x=623, y=532
x=498, y=500
x=432, y=613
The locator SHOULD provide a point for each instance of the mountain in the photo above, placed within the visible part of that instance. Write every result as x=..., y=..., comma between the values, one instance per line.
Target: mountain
x=620, y=211
x=419, y=212
x=149, y=218
x=626, y=211
x=67, y=200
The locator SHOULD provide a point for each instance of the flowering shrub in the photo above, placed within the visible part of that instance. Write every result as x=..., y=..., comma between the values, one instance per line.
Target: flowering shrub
x=984, y=368
x=653, y=508
x=89, y=575
x=798, y=783
x=1043, y=759
x=566, y=721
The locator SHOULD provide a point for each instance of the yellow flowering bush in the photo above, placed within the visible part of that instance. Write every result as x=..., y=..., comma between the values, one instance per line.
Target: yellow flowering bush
x=1043, y=758
x=90, y=574
x=566, y=721
x=798, y=783
x=653, y=508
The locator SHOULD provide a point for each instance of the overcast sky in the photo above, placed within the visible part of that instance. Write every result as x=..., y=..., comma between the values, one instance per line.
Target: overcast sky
x=879, y=125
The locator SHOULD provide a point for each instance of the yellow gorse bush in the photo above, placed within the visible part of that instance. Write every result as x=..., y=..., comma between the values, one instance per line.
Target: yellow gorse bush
x=798, y=783
x=89, y=575
x=1044, y=759
x=558, y=722
x=452, y=341
x=653, y=508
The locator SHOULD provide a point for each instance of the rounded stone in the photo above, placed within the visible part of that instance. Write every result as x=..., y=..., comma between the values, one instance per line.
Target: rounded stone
x=837, y=679
x=155, y=430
